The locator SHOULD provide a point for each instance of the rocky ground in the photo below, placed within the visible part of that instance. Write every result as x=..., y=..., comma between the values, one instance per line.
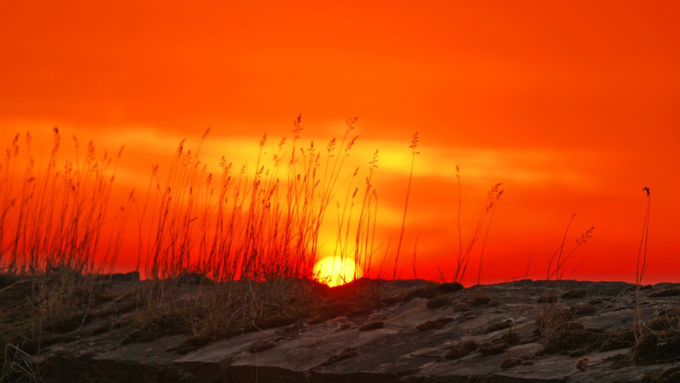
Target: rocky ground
x=524, y=331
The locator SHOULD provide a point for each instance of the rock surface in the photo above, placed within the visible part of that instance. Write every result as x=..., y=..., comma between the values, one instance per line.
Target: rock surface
x=409, y=344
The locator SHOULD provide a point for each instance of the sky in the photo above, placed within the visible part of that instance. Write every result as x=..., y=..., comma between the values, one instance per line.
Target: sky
x=573, y=106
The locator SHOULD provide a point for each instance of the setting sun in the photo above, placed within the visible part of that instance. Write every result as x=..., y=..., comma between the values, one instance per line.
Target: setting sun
x=335, y=271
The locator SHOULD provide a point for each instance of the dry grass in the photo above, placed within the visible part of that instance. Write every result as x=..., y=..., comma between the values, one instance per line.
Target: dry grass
x=552, y=314
x=17, y=364
x=224, y=253
x=640, y=270
x=57, y=217
x=211, y=311
x=57, y=231
x=257, y=230
x=259, y=225
x=414, y=146
x=483, y=226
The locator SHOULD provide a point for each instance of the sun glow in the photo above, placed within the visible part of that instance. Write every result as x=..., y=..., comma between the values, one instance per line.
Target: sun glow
x=335, y=271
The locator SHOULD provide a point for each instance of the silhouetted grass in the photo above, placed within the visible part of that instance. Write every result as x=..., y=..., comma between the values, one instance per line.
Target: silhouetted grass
x=640, y=270
x=262, y=223
x=551, y=315
x=53, y=218
x=225, y=253
x=414, y=146
x=484, y=221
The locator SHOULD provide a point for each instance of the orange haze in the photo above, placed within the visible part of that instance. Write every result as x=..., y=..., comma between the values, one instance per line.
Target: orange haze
x=573, y=106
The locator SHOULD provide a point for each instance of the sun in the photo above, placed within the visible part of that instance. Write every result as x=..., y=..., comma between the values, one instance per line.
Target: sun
x=335, y=271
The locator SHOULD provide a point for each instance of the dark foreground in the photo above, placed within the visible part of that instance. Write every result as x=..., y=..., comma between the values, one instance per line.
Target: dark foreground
x=377, y=331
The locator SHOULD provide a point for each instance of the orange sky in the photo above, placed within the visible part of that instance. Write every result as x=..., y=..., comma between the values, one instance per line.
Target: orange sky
x=572, y=105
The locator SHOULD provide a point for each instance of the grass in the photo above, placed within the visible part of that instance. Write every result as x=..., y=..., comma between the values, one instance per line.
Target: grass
x=483, y=225
x=57, y=232
x=224, y=253
x=17, y=363
x=414, y=146
x=257, y=223
x=551, y=315
x=54, y=217
x=232, y=226
x=640, y=270
x=255, y=231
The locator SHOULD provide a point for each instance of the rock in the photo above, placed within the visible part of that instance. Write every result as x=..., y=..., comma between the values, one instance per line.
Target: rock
x=191, y=344
x=584, y=309
x=344, y=326
x=511, y=362
x=100, y=330
x=295, y=360
x=172, y=347
x=389, y=301
x=428, y=292
x=461, y=349
x=443, y=321
x=512, y=338
x=439, y=301
x=134, y=362
x=493, y=348
x=453, y=344
x=666, y=293
x=469, y=345
x=295, y=328
x=479, y=300
x=461, y=307
x=574, y=294
x=497, y=326
x=262, y=345
x=208, y=363
x=347, y=353
x=456, y=352
x=371, y=326
x=434, y=324
x=138, y=336
x=429, y=325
